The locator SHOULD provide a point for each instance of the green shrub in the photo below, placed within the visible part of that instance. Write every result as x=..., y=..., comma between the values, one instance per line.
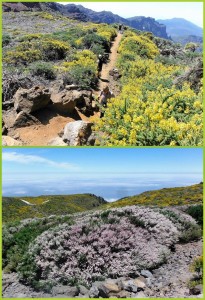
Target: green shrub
x=136, y=222
x=43, y=69
x=192, y=233
x=84, y=76
x=15, y=245
x=91, y=39
x=196, y=212
x=5, y=39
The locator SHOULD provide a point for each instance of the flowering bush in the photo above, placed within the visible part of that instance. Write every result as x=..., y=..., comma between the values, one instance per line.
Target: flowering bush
x=113, y=243
x=150, y=110
x=82, y=69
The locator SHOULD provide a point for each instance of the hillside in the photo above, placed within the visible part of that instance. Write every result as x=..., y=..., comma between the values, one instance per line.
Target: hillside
x=165, y=197
x=177, y=27
x=15, y=209
x=51, y=85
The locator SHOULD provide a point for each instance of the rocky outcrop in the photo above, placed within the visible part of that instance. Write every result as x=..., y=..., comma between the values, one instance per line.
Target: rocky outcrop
x=31, y=100
x=194, y=76
x=77, y=133
x=9, y=141
x=24, y=119
x=66, y=99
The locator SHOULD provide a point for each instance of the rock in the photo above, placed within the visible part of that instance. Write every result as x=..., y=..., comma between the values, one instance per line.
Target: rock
x=67, y=291
x=141, y=295
x=130, y=286
x=94, y=292
x=65, y=101
x=146, y=273
x=140, y=282
x=83, y=290
x=91, y=140
x=106, y=288
x=77, y=133
x=30, y=100
x=71, y=87
x=84, y=103
x=24, y=119
x=9, y=118
x=198, y=289
x=123, y=294
x=57, y=142
x=4, y=130
x=9, y=141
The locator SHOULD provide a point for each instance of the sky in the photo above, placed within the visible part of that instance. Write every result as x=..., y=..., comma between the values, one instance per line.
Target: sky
x=191, y=11
x=111, y=173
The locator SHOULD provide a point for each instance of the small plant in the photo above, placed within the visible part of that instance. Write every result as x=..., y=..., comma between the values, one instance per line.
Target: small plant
x=43, y=69
x=196, y=212
x=192, y=233
x=5, y=39
x=196, y=267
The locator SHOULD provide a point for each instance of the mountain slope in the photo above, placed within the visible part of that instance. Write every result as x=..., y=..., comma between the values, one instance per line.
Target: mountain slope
x=80, y=13
x=31, y=207
x=165, y=197
x=180, y=27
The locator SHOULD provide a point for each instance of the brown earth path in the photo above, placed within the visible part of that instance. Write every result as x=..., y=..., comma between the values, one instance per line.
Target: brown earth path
x=53, y=123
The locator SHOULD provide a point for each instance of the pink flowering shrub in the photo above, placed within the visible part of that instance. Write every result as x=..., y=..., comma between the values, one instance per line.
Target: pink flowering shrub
x=113, y=243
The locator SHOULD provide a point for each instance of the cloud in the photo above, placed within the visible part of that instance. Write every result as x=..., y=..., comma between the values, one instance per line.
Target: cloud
x=33, y=159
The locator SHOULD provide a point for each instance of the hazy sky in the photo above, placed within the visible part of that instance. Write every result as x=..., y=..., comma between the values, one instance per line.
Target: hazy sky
x=110, y=173
x=192, y=11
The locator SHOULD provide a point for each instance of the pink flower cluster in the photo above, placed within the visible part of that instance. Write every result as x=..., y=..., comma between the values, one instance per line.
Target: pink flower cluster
x=99, y=246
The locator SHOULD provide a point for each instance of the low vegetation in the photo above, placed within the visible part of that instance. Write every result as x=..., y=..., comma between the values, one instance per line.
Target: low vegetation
x=167, y=197
x=14, y=209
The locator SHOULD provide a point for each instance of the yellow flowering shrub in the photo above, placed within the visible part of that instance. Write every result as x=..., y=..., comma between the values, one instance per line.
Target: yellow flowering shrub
x=107, y=32
x=150, y=110
x=139, y=45
x=30, y=51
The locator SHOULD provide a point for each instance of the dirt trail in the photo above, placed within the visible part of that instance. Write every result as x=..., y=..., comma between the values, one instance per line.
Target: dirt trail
x=112, y=62
x=53, y=123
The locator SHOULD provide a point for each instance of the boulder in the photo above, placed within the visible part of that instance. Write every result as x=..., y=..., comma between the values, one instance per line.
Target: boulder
x=198, y=289
x=65, y=101
x=9, y=141
x=146, y=273
x=24, y=119
x=57, y=142
x=130, y=286
x=94, y=292
x=77, y=133
x=140, y=282
x=83, y=290
x=84, y=103
x=67, y=291
x=9, y=118
x=106, y=288
x=123, y=294
x=30, y=100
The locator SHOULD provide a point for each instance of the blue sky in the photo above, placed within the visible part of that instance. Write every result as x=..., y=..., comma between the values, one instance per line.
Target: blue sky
x=192, y=11
x=107, y=172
